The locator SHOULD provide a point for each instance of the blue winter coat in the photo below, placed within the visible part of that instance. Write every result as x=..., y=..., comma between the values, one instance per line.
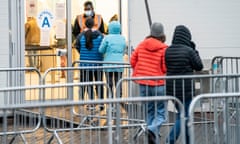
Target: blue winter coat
x=113, y=45
x=92, y=54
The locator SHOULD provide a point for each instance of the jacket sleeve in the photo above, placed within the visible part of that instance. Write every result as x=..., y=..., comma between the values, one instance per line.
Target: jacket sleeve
x=26, y=29
x=103, y=46
x=78, y=44
x=196, y=61
x=76, y=28
x=101, y=28
x=134, y=58
x=163, y=65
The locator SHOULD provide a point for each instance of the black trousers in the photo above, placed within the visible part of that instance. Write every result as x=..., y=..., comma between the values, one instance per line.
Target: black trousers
x=112, y=79
x=90, y=76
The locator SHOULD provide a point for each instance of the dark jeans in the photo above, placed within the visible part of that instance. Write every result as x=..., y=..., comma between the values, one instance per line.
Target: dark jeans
x=176, y=129
x=90, y=76
x=112, y=79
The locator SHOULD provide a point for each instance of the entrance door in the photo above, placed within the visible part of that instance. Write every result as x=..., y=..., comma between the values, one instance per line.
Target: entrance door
x=39, y=52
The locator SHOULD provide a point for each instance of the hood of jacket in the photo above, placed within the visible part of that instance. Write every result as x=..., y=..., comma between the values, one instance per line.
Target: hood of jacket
x=182, y=36
x=114, y=27
x=153, y=44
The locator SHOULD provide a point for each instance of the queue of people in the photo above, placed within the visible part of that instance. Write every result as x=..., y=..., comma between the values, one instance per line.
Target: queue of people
x=95, y=43
x=180, y=58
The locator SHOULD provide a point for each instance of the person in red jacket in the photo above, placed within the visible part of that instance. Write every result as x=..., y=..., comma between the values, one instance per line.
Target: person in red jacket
x=148, y=59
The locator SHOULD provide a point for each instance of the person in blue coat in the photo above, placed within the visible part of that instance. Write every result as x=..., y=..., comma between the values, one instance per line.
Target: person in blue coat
x=113, y=48
x=87, y=44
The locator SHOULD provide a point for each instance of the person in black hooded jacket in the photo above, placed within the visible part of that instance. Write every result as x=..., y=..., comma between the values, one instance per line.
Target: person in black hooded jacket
x=181, y=58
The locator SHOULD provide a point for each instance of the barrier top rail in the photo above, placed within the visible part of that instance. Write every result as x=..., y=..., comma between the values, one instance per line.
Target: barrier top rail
x=72, y=102
x=217, y=62
x=83, y=68
x=100, y=62
x=22, y=88
x=180, y=77
x=224, y=57
x=212, y=95
x=19, y=69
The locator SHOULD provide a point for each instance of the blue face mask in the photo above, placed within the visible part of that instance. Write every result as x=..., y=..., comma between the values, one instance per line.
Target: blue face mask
x=88, y=13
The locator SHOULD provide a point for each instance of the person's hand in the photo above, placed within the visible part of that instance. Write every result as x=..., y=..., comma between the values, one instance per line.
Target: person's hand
x=193, y=45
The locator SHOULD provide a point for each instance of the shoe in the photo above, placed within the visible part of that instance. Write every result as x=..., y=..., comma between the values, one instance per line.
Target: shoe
x=91, y=107
x=101, y=107
x=124, y=106
x=63, y=74
x=151, y=137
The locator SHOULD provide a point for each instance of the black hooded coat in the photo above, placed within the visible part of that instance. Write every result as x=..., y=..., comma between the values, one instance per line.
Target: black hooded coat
x=182, y=59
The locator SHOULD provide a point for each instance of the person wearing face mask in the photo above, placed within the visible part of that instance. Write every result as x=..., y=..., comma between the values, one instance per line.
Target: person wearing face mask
x=79, y=24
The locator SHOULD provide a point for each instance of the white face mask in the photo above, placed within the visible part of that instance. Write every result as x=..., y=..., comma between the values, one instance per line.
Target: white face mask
x=88, y=13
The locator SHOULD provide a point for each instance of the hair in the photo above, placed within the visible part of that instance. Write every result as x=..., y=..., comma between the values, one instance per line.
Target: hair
x=161, y=38
x=88, y=34
x=88, y=3
x=89, y=43
x=114, y=18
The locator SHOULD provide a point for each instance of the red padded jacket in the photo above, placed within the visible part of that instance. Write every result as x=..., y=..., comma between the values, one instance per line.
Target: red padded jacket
x=148, y=59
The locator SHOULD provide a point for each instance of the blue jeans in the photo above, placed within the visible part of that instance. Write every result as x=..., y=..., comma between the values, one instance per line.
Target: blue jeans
x=176, y=129
x=155, y=111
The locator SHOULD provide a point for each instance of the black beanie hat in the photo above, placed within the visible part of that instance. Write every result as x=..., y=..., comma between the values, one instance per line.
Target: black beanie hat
x=182, y=35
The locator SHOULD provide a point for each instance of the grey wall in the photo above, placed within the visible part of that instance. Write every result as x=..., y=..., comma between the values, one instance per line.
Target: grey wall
x=214, y=24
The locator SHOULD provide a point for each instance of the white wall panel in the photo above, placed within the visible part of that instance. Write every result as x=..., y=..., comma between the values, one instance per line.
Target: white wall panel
x=4, y=36
x=214, y=24
x=4, y=42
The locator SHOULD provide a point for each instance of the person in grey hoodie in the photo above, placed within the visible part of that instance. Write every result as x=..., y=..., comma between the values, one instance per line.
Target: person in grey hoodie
x=113, y=48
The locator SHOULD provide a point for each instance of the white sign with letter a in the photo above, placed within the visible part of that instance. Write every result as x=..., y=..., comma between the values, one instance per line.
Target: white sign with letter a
x=45, y=22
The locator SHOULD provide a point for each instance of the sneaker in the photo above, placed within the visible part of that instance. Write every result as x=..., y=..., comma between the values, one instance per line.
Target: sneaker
x=124, y=106
x=91, y=107
x=151, y=137
x=101, y=107
x=63, y=76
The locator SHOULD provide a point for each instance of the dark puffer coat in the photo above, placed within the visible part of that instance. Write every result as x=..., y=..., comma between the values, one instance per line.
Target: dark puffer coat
x=182, y=59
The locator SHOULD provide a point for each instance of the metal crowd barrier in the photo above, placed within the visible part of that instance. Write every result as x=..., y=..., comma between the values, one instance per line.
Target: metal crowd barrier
x=125, y=73
x=22, y=76
x=27, y=120
x=100, y=72
x=200, y=84
x=225, y=65
x=17, y=122
x=16, y=76
x=61, y=125
x=34, y=55
x=220, y=121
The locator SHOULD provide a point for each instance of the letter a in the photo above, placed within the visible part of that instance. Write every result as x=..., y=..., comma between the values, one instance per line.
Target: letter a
x=45, y=22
